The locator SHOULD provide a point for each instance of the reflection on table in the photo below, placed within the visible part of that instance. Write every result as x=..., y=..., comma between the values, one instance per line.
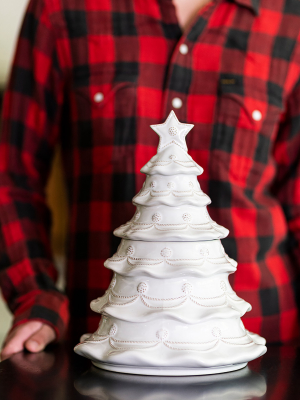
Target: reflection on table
x=104, y=385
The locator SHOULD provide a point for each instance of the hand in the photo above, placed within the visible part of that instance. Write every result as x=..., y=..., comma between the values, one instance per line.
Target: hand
x=33, y=336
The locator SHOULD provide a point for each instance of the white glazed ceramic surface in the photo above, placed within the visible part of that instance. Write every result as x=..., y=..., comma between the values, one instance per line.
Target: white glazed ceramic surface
x=172, y=161
x=171, y=259
x=168, y=343
x=170, y=308
x=168, y=371
x=177, y=251
x=171, y=191
x=182, y=223
x=139, y=299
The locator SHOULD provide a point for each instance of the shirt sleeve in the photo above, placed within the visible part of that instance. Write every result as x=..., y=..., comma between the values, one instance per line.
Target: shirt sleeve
x=287, y=162
x=30, y=129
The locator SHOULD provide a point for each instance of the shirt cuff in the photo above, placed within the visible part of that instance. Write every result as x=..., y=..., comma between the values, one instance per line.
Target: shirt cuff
x=50, y=308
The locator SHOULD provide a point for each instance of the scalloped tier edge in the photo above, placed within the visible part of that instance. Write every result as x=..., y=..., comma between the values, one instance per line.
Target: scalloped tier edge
x=162, y=354
x=184, y=233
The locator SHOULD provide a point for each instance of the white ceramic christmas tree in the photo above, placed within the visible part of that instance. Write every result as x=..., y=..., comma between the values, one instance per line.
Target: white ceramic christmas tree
x=170, y=309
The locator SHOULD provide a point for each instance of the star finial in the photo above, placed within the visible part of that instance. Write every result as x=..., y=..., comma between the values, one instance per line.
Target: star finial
x=172, y=132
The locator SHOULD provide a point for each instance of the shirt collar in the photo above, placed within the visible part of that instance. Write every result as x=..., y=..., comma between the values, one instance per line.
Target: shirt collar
x=252, y=4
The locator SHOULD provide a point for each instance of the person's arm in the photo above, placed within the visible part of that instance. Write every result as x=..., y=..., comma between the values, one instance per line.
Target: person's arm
x=287, y=184
x=30, y=131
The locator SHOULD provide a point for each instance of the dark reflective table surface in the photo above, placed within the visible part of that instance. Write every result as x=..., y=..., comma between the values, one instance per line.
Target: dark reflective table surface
x=60, y=374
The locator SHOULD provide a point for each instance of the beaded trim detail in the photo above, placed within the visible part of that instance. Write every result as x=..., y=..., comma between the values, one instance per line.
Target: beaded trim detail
x=162, y=338
x=113, y=299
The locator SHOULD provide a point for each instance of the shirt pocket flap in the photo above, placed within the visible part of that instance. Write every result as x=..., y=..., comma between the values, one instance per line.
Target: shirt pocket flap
x=238, y=110
x=247, y=109
x=99, y=88
x=104, y=91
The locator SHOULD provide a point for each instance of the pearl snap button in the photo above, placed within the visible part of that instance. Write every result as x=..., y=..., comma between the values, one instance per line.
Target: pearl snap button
x=98, y=97
x=256, y=115
x=183, y=48
x=177, y=102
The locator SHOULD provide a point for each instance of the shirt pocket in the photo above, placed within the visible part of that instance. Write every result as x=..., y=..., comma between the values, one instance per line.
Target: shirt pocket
x=107, y=93
x=103, y=103
x=243, y=132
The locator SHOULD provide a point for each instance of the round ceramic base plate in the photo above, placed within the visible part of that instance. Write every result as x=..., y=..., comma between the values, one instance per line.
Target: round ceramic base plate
x=168, y=371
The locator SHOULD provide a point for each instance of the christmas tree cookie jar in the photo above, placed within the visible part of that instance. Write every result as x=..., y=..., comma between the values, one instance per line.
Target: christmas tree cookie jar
x=169, y=309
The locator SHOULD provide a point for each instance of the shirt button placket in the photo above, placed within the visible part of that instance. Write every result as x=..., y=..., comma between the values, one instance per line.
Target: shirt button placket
x=177, y=100
x=183, y=49
x=180, y=73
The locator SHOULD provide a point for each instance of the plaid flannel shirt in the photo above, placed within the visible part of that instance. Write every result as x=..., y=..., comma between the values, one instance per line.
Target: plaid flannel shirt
x=93, y=75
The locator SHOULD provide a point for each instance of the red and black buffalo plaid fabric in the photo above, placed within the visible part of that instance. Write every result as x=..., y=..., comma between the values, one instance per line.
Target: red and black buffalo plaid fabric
x=93, y=75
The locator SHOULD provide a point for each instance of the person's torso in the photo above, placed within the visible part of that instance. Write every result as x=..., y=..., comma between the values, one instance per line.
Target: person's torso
x=229, y=74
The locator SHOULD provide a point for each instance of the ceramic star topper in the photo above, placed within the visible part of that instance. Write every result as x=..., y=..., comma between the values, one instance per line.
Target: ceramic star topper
x=172, y=132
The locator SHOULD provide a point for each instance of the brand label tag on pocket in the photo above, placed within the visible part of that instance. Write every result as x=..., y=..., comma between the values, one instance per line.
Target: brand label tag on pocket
x=231, y=83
